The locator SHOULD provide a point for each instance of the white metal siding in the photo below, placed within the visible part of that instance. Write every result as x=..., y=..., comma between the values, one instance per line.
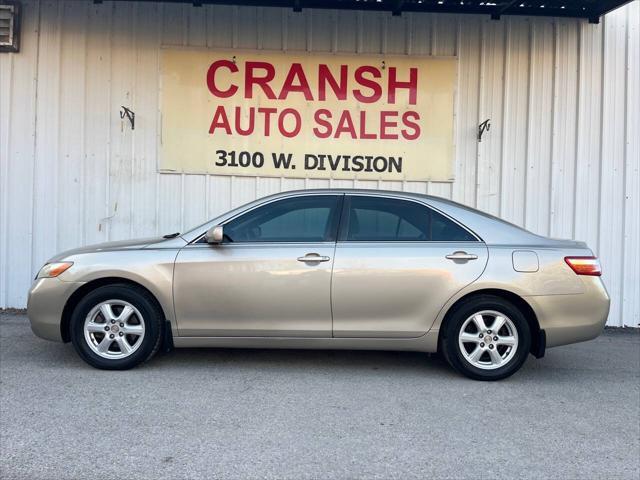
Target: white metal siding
x=561, y=158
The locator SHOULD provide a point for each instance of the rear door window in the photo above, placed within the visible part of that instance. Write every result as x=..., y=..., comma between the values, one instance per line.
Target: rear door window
x=381, y=219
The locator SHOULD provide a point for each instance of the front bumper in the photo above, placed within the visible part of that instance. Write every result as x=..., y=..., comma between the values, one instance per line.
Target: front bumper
x=47, y=299
x=572, y=318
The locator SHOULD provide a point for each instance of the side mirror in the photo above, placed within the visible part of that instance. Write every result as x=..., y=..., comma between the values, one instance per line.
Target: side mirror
x=214, y=235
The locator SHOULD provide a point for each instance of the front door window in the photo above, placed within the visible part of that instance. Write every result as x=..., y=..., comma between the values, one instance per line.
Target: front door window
x=305, y=219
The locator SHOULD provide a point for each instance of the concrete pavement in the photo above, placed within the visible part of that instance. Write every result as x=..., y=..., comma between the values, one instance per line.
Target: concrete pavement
x=316, y=414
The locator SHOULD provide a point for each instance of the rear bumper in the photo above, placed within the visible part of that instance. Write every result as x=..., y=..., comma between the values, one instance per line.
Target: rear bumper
x=572, y=318
x=47, y=299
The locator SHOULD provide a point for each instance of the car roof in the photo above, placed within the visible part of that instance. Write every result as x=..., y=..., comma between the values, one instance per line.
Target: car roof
x=490, y=229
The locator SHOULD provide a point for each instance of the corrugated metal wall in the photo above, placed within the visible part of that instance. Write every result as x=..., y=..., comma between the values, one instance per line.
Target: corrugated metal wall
x=561, y=158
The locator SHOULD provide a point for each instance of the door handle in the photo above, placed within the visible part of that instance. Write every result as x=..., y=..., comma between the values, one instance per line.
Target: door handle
x=313, y=257
x=461, y=256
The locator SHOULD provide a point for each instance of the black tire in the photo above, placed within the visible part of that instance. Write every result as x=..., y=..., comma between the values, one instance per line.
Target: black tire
x=455, y=320
x=143, y=301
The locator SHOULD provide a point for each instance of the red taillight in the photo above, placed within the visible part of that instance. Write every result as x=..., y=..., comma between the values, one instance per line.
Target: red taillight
x=584, y=265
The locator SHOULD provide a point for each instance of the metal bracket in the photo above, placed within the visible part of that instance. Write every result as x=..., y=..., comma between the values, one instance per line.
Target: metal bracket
x=483, y=127
x=125, y=112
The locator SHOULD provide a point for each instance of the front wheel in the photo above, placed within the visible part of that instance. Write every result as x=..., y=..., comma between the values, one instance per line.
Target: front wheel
x=486, y=338
x=116, y=327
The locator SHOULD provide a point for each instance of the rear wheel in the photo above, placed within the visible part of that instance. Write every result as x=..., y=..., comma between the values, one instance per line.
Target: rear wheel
x=116, y=327
x=486, y=338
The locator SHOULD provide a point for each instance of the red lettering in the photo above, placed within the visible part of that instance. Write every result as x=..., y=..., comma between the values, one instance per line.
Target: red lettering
x=251, y=79
x=345, y=125
x=220, y=120
x=367, y=82
x=252, y=121
x=386, y=123
x=267, y=118
x=410, y=124
x=318, y=117
x=211, y=78
x=363, y=127
x=411, y=85
x=296, y=128
x=288, y=86
x=326, y=77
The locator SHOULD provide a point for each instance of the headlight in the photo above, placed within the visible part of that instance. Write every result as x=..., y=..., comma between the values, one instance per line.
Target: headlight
x=51, y=270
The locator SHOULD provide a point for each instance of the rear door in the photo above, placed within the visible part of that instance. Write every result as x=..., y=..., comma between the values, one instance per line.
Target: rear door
x=396, y=264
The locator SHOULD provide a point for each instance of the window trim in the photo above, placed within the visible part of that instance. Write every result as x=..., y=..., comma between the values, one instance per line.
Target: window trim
x=346, y=210
x=338, y=209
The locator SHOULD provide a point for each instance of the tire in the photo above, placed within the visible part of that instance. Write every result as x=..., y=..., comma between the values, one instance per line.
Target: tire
x=117, y=327
x=485, y=358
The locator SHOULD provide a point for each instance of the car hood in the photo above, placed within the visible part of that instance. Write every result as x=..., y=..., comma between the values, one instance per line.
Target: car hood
x=108, y=246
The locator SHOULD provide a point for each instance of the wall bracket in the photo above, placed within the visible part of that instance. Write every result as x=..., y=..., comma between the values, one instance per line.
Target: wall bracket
x=483, y=127
x=125, y=112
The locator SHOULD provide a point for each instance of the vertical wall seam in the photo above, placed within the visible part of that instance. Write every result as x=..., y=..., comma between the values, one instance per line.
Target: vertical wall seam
x=309, y=21
x=505, y=100
x=182, y=202
x=83, y=186
x=359, y=32
x=574, y=227
x=601, y=129
x=134, y=83
x=527, y=138
x=408, y=34
x=476, y=166
x=260, y=28
x=554, y=112
x=107, y=219
x=35, y=142
x=5, y=166
x=58, y=133
x=159, y=42
x=384, y=27
x=186, y=23
x=334, y=31
x=285, y=30
x=185, y=42
x=625, y=151
x=481, y=107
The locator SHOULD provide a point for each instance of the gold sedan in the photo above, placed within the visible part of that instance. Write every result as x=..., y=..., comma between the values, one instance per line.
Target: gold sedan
x=328, y=269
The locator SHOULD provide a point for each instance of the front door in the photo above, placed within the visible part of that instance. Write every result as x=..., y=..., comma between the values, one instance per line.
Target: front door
x=397, y=262
x=271, y=276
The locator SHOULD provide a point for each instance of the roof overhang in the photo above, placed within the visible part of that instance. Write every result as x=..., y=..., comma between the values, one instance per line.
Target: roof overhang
x=589, y=9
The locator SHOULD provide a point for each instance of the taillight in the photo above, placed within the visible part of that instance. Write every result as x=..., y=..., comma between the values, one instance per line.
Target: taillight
x=584, y=265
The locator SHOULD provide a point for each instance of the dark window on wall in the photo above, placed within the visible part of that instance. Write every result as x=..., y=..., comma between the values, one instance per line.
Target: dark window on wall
x=380, y=219
x=9, y=27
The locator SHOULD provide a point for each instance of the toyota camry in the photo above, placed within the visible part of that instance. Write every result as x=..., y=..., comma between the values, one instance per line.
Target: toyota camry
x=328, y=269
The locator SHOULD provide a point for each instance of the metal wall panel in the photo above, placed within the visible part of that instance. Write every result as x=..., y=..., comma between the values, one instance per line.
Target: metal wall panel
x=562, y=156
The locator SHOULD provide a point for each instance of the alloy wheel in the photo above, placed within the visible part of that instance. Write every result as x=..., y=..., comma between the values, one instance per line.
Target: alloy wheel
x=488, y=340
x=114, y=329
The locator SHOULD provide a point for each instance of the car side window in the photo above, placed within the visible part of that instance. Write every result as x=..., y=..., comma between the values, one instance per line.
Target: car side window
x=444, y=230
x=380, y=219
x=298, y=219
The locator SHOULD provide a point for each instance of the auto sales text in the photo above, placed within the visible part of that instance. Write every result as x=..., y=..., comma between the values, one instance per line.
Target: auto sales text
x=352, y=86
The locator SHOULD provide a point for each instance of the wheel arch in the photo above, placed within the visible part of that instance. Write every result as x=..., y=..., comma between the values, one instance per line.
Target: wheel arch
x=538, y=338
x=74, y=299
